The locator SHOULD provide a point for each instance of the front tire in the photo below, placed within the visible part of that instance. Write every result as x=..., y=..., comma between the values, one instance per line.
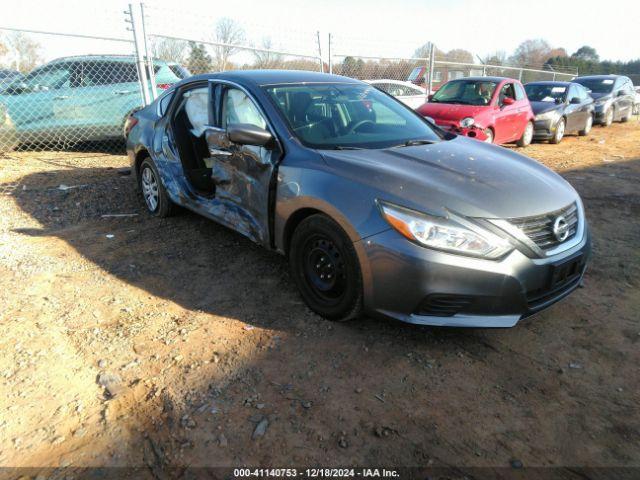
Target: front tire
x=527, y=136
x=154, y=194
x=608, y=117
x=489, y=133
x=559, y=133
x=325, y=268
x=627, y=117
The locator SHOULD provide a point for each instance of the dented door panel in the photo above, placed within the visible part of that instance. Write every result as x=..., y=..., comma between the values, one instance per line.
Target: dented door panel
x=242, y=175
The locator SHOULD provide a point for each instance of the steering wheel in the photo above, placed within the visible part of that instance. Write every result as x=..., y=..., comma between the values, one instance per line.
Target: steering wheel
x=358, y=125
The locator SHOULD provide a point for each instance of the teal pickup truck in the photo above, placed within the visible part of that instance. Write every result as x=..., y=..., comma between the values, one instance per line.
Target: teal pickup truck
x=76, y=99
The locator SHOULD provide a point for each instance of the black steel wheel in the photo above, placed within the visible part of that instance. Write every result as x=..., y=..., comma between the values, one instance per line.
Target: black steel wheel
x=325, y=268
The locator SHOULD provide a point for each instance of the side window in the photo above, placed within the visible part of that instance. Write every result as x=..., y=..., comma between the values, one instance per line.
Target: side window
x=583, y=95
x=237, y=107
x=507, y=91
x=164, y=102
x=520, y=95
x=108, y=73
x=573, y=92
x=49, y=78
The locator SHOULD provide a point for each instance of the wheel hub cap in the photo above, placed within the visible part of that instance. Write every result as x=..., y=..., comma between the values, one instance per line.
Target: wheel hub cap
x=325, y=268
x=150, y=189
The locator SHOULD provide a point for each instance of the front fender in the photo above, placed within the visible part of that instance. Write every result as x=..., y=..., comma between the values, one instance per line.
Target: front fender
x=351, y=205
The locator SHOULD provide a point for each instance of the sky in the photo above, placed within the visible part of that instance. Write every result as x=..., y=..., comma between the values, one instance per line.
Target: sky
x=359, y=27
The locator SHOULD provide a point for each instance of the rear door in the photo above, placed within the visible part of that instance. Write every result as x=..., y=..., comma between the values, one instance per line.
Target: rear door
x=242, y=173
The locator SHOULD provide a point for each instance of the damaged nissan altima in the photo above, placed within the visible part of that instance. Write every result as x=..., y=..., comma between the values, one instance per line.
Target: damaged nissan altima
x=378, y=211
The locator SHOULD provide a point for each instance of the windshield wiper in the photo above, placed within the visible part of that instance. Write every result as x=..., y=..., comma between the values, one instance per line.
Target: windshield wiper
x=413, y=143
x=346, y=147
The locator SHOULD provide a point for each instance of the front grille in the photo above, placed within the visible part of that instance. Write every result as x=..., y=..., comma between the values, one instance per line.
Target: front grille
x=539, y=298
x=443, y=305
x=539, y=229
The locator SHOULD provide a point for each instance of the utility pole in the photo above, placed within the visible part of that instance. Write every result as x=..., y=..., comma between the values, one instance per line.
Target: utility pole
x=142, y=74
x=148, y=55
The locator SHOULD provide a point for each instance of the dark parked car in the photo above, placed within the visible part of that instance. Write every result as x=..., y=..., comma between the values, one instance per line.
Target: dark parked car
x=560, y=107
x=613, y=95
x=379, y=211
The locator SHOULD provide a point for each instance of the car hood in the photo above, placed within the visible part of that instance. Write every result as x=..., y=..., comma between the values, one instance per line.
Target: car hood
x=543, y=107
x=450, y=111
x=600, y=96
x=462, y=175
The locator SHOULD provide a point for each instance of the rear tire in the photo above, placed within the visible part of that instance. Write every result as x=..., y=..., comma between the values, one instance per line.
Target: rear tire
x=325, y=268
x=154, y=194
x=527, y=136
x=587, y=127
x=559, y=133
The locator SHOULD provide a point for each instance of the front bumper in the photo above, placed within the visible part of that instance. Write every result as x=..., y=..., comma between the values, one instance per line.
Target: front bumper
x=544, y=129
x=418, y=285
x=471, y=132
x=599, y=113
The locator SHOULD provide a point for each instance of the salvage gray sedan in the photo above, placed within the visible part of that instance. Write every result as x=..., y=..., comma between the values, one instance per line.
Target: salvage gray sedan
x=379, y=212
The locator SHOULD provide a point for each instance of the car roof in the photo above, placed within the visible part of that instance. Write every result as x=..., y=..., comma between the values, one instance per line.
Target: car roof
x=551, y=82
x=486, y=79
x=272, y=77
x=596, y=77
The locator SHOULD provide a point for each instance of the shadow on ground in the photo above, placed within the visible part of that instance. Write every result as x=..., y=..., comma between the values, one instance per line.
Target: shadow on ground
x=365, y=392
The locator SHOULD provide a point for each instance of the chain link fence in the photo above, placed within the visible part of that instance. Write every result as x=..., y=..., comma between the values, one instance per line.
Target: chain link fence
x=79, y=94
x=434, y=69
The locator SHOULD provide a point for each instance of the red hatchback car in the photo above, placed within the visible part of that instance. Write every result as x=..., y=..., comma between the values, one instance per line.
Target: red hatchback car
x=491, y=109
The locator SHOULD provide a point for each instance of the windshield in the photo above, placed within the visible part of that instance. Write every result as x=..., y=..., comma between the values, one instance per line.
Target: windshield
x=334, y=116
x=596, y=85
x=466, y=92
x=546, y=93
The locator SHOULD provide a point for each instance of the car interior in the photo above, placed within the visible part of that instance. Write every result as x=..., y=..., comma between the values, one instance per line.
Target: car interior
x=189, y=124
x=327, y=117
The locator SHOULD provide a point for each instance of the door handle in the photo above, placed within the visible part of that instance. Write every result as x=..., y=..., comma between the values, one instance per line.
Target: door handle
x=61, y=97
x=122, y=92
x=218, y=151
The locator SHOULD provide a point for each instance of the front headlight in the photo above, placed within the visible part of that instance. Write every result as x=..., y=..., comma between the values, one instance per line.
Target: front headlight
x=444, y=233
x=552, y=115
x=467, y=122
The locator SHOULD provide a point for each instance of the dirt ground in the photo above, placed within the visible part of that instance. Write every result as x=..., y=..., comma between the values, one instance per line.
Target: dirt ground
x=147, y=342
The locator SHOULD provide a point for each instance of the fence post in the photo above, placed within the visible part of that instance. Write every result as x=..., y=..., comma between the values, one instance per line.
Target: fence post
x=320, y=51
x=520, y=75
x=142, y=74
x=148, y=55
x=329, y=53
x=432, y=63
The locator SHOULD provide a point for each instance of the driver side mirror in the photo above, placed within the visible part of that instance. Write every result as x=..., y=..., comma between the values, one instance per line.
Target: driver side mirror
x=507, y=101
x=430, y=97
x=574, y=101
x=248, y=134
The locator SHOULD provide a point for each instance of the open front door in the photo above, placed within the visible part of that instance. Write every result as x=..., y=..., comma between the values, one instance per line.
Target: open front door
x=242, y=173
